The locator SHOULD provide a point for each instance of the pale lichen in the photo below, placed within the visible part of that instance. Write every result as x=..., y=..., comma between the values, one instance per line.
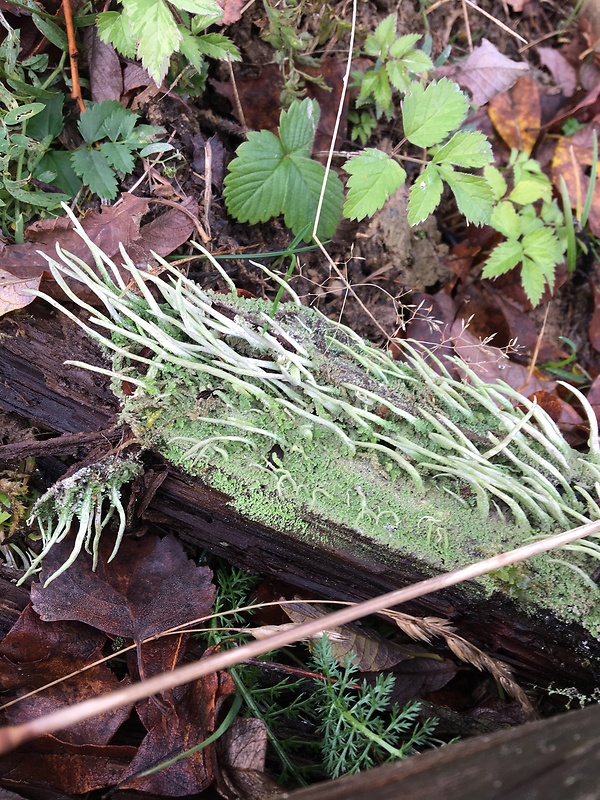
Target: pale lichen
x=300, y=421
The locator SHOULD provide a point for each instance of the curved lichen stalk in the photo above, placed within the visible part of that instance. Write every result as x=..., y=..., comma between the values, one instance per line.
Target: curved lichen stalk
x=296, y=416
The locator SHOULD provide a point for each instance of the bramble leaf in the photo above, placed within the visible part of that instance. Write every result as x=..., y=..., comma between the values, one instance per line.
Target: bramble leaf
x=417, y=61
x=504, y=257
x=424, y=195
x=533, y=280
x=114, y=28
x=506, y=220
x=465, y=149
x=496, y=181
x=215, y=45
x=543, y=247
x=429, y=114
x=374, y=176
x=472, y=193
x=156, y=32
x=403, y=45
x=398, y=75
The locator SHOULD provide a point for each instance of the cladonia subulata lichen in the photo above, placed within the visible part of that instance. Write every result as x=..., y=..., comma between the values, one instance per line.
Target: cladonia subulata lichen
x=299, y=420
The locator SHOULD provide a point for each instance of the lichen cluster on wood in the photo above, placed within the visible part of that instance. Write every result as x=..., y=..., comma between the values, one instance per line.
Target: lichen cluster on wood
x=298, y=419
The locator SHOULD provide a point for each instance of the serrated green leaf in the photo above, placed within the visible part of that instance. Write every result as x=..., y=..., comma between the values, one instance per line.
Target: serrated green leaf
x=305, y=179
x=255, y=187
x=465, y=149
x=496, y=181
x=191, y=49
x=430, y=114
x=95, y=172
x=384, y=35
x=217, y=46
x=503, y=258
x=531, y=189
x=397, y=75
x=114, y=28
x=506, y=220
x=472, y=193
x=533, y=281
x=424, y=195
x=119, y=124
x=543, y=247
x=417, y=61
x=91, y=122
x=374, y=176
x=48, y=122
x=118, y=156
x=210, y=7
x=403, y=44
x=267, y=179
x=368, y=83
x=156, y=32
x=59, y=163
x=298, y=125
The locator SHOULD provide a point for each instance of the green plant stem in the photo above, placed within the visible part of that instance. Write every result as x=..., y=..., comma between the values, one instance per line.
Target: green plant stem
x=56, y=71
x=253, y=707
x=589, y=198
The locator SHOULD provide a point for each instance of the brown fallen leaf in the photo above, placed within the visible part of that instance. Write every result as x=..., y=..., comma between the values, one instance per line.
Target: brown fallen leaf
x=35, y=653
x=517, y=114
x=594, y=328
x=106, y=75
x=241, y=774
x=571, y=157
x=50, y=764
x=563, y=72
x=108, y=228
x=232, y=10
x=16, y=292
x=491, y=364
x=486, y=72
x=132, y=596
x=517, y=5
x=190, y=717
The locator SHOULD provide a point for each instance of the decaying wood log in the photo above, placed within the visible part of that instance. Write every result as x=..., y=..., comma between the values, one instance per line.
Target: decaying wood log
x=36, y=385
x=550, y=759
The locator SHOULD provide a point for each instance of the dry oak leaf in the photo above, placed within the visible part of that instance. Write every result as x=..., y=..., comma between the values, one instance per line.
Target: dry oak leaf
x=564, y=73
x=486, y=72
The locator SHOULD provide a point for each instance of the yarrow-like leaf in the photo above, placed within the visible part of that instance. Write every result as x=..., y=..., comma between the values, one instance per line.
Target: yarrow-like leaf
x=374, y=176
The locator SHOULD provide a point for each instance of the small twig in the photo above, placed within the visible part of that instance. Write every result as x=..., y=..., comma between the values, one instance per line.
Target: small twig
x=467, y=26
x=73, y=55
x=236, y=97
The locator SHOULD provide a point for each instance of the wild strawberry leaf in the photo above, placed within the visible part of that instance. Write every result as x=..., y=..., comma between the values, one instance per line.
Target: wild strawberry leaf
x=429, y=114
x=95, y=171
x=272, y=176
x=374, y=176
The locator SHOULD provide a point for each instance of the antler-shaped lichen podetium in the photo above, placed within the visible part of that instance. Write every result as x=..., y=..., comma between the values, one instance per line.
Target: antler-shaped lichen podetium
x=297, y=418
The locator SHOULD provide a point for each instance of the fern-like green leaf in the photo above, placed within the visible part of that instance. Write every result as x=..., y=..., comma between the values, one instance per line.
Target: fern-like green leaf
x=430, y=114
x=374, y=176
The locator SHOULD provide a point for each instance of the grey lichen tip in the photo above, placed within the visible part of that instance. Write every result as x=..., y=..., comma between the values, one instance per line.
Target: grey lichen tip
x=91, y=496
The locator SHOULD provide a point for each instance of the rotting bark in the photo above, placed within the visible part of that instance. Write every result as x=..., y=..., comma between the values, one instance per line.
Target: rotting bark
x=557, y=757
x=37, y=385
